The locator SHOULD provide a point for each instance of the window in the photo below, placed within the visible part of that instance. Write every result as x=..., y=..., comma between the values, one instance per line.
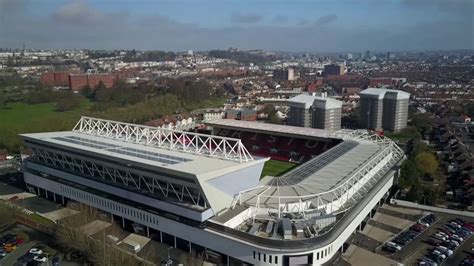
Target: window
x=276, y=259
x=317, y=255
x=270, y=258
x=254, y=255
x=264, y=257
x=259, y=256
x=325, y=252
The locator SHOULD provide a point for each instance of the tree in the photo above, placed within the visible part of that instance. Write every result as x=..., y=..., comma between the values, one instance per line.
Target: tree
x=427, y=163
x=67, y=103
x=88, y=92
x=408, y=174
x=421, y=122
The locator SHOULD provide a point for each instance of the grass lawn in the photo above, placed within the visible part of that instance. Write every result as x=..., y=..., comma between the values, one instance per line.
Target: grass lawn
x=19, y=115
x=28, y=118
x=277, y=168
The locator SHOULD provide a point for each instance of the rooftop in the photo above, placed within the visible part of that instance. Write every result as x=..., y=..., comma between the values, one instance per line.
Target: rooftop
x=273, y=128
x=320, y=102
x=133, y=152
x=317, y=176
x=380, y=92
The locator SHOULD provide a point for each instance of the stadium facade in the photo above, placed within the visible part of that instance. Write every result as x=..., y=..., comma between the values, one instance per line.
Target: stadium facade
x=204, y=192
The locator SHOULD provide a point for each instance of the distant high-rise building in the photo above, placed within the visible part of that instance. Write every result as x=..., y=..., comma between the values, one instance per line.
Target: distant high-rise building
x=284, y=74
x=190, y=52
x=316, y=112
x=333, y=69
x=367, y=54
x=350, y=56
x=384, y=109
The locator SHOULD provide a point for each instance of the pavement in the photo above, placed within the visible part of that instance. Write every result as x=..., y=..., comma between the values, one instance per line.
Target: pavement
x=377, y=233
x=392, y=222
x=361, y=256
x=364, y=241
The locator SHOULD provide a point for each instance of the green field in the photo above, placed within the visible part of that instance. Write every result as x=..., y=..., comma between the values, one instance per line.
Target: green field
x=26, y=118
x=276, y=168
x=21, y=115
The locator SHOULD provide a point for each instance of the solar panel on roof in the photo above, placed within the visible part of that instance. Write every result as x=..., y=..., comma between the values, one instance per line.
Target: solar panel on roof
x=148, y=155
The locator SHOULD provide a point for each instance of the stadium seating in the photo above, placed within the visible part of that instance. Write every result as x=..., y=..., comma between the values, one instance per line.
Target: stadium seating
x=282, y=148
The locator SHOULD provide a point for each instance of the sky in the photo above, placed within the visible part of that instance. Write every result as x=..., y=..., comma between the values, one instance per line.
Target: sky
x=275, y=25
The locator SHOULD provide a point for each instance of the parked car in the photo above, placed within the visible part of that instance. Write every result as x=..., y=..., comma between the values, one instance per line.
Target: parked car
x=55, y=261
x=19, y=241
x=428, y=261
x=35, y=251
x=439, y=253
x=41, y=258
x=9, y=247
x=433, y=242
x=445, y=250
x=457, y=238
x=398, y=247
x=455, y=224
x=440, y=237
x=446, y=231
x=443, y=234
x=390, y=249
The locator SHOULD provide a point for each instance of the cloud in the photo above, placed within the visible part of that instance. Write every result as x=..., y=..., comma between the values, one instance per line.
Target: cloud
x=280, y=19
x=69, y=26
x=324, y=20
x=245, y=18
x=303, y=22
x=78, y=12
x=457, y=7
x=9, y=7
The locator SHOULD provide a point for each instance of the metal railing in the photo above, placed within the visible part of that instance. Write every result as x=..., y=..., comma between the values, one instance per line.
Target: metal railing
x=201, y=144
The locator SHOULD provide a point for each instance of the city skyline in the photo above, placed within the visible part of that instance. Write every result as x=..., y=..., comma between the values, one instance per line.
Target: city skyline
x=304, y=26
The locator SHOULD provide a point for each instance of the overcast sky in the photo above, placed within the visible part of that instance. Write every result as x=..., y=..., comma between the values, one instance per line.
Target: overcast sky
x=290, y=25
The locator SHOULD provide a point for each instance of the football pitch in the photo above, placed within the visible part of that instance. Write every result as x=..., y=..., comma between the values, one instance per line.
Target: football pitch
x=277, y=168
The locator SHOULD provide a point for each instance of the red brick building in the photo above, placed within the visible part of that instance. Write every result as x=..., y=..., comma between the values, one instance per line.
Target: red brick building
x=94, y=79
x=56, y=79
x=78, y=81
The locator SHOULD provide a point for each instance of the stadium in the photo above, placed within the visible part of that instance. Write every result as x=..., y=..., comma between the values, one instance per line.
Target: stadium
x=206, y=192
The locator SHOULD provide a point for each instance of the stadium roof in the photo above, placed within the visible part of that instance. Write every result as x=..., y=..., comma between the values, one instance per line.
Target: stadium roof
x=380, y=92
x=317, y=176
x=132, y=152
x=273, y=128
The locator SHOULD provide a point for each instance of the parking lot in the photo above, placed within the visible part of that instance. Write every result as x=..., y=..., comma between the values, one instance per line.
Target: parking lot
x=391, y=221
x=412, y=252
